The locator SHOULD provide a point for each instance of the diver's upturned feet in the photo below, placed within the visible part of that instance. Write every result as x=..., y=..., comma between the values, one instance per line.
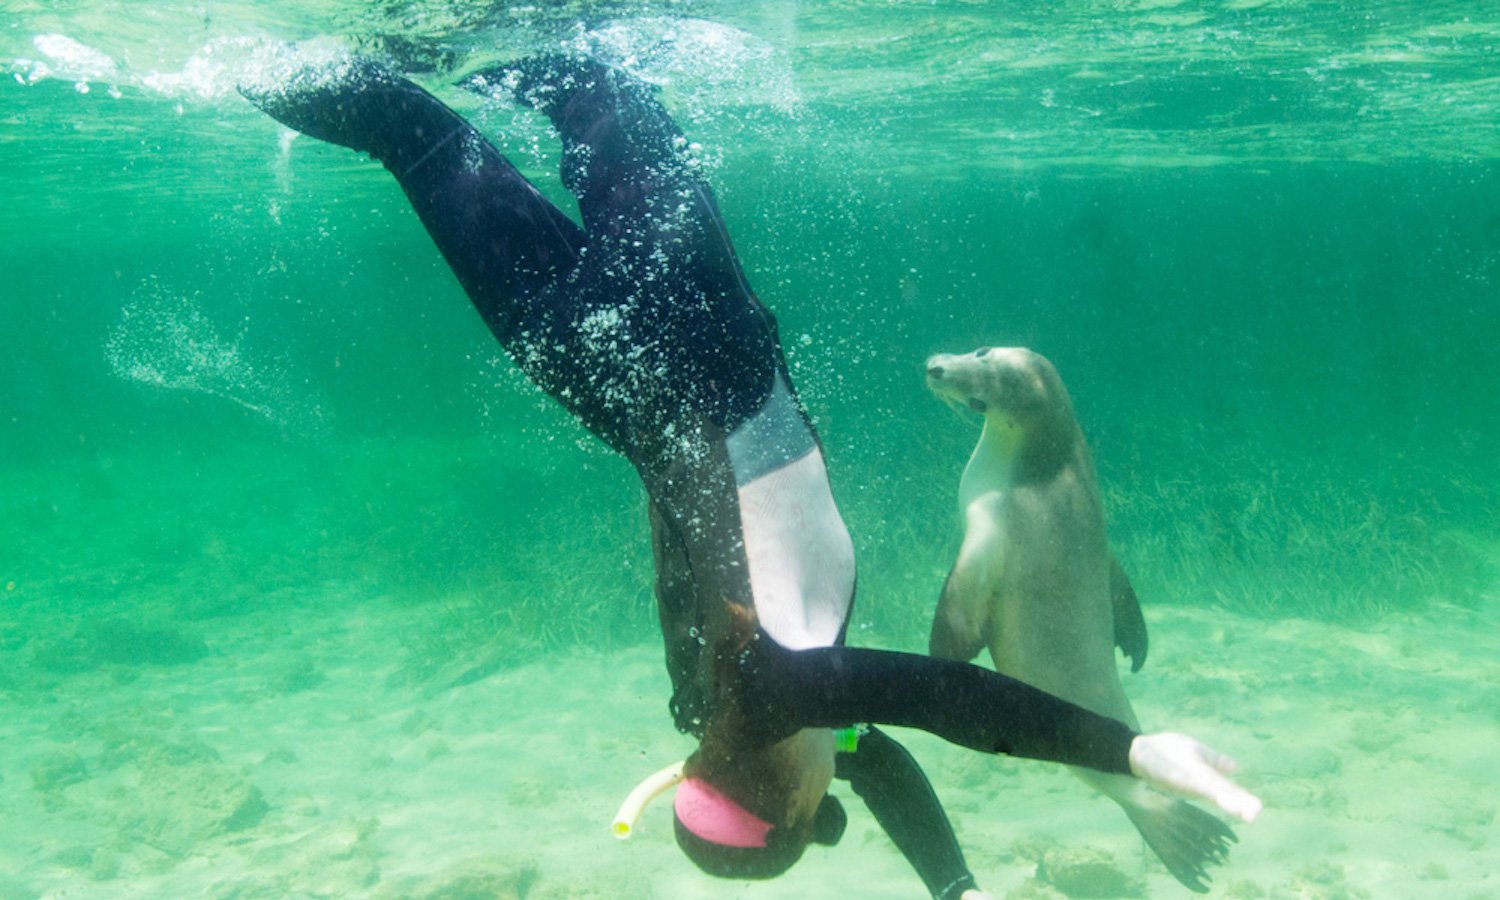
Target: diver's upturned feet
x=547, y=82
x=610, y=121
x=359, y=104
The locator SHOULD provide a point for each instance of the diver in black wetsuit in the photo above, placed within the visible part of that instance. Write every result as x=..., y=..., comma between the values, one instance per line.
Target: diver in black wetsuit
x=641, y=324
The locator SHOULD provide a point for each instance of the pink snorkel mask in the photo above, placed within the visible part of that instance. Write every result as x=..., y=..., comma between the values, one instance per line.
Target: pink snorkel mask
x=718, y=834
x=705, y=811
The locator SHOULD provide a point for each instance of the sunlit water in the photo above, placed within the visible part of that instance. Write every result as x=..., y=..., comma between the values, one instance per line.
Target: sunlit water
x=1261, y=241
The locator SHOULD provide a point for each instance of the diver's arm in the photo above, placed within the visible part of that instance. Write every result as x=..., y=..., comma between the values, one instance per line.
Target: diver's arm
x=973, y=707
x=784, y=690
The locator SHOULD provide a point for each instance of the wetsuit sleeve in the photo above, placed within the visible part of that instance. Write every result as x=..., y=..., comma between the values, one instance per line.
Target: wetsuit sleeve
x=835, y=687
x=901, y=799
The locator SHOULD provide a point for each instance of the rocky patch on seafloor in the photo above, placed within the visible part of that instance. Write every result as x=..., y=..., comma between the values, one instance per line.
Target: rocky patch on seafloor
x=52, y=772
x=167, y=794
x=480, y=879
x=1315, y=881
x=182, y=806
x=1076, y=873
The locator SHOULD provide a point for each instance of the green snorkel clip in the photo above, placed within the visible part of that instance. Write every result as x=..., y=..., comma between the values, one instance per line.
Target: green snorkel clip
x=846, y=740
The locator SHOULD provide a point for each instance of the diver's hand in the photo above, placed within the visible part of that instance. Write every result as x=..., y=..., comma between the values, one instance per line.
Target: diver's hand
x=975, y=894
x=1179, y=764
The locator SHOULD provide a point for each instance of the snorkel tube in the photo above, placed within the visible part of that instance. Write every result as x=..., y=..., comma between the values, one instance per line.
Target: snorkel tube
x=648, y=790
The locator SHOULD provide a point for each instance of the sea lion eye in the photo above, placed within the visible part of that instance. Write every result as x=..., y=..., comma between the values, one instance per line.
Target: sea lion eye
x=976, y=404
x=982, y=352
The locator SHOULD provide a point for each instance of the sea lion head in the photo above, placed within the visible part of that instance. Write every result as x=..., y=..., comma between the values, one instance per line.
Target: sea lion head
x=1019, y=393
x=1012, y=382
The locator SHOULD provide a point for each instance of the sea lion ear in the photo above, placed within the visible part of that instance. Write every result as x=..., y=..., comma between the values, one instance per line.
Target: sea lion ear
x=829, y=821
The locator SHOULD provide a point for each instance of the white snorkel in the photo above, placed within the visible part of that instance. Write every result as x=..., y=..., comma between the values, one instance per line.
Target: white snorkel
x=654, y=786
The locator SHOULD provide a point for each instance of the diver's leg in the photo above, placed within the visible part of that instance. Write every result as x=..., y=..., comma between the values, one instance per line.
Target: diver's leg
x=898, y=794
x=501, y=237
x=628, y=164
x=659, y=257
x=620, y=146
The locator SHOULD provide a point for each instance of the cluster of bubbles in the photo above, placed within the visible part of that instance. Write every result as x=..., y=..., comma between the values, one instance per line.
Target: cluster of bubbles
x=168, y=342
x=65, y=57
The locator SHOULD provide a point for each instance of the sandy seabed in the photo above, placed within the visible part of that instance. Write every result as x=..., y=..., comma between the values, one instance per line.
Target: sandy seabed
x=302, y=757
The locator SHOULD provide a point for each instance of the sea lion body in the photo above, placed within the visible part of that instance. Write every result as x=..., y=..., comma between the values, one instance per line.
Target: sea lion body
x=1035, y=580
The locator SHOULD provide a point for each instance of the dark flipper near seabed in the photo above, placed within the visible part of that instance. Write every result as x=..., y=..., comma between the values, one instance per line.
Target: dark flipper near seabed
x=1186, y=839
x=1130, y=624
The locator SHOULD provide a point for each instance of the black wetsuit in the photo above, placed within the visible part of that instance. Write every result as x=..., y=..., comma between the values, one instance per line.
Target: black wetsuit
x=641, y=323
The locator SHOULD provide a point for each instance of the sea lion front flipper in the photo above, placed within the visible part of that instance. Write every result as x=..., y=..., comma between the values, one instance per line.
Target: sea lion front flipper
x=1130, y=625
x=955, y=634
x=961, y=625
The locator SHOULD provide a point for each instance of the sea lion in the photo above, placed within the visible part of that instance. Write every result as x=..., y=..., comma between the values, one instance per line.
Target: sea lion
x=1035, y=580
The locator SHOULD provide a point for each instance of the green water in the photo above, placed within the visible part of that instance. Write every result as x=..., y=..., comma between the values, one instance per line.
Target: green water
x=1261, y=242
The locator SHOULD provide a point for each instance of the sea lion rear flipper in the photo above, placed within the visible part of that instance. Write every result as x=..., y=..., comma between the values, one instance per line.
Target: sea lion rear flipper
x=1185, y=838
x=1130, y=625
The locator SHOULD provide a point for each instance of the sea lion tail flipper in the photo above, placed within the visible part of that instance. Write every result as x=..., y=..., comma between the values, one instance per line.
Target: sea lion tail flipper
x=1185, y=838
x=1130, y=624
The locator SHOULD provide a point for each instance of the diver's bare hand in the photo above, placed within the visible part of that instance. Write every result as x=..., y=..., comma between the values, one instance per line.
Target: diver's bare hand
x=1179, y=764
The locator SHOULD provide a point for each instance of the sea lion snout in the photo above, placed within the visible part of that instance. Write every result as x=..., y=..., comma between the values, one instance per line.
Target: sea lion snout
x=1016, y=383
x=937, y=368
x=952, y=376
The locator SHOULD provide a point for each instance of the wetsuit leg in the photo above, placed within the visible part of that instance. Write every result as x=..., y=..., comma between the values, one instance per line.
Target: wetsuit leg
x=658, y=253
x=502, y=238
x=892, y=785
x=641, y=324
x=627, y=162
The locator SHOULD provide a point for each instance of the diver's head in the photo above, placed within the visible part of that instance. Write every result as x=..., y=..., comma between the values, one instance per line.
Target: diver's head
x=751, y=813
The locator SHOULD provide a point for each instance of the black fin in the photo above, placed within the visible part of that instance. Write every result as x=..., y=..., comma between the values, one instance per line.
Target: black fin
x=1130, y=625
